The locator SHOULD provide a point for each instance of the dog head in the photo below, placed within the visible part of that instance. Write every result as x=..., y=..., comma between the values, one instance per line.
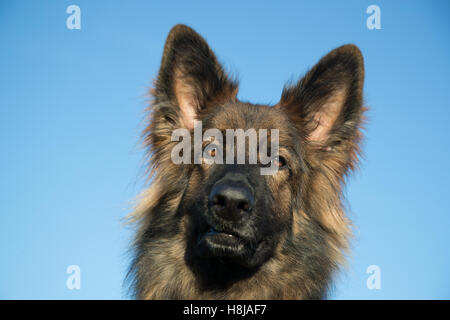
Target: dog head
x=233, y=213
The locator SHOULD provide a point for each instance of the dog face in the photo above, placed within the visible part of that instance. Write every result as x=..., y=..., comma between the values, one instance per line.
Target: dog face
x=228, y=216
x=237, y=213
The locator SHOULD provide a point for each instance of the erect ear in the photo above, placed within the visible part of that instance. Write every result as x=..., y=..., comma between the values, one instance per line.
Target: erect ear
x=190, y=77
x=326, y=104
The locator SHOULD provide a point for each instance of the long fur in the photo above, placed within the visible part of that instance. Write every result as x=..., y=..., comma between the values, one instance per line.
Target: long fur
x=314, y=238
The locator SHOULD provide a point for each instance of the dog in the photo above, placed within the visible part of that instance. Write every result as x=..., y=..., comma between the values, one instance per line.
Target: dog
x=225, y=230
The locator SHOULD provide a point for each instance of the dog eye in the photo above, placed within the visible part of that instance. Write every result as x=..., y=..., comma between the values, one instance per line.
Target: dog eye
x=212, y=152
x=279, y=162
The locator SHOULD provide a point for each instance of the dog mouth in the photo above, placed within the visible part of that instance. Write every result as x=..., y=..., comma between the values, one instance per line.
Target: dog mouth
x=220, y=243
x=222, y=236
x=229, y=244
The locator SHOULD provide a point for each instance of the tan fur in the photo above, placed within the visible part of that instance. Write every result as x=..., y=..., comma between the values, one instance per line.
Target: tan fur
x=320, y=121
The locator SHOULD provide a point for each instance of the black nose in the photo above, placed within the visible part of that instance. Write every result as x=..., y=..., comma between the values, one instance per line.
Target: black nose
x=230, y=202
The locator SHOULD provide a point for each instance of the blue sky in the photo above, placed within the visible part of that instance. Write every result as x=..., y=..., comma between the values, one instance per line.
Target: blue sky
x=71, y=110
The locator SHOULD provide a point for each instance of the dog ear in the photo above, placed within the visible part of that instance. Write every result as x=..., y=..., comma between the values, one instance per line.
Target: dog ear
x=190, y=77
x=326, y=104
